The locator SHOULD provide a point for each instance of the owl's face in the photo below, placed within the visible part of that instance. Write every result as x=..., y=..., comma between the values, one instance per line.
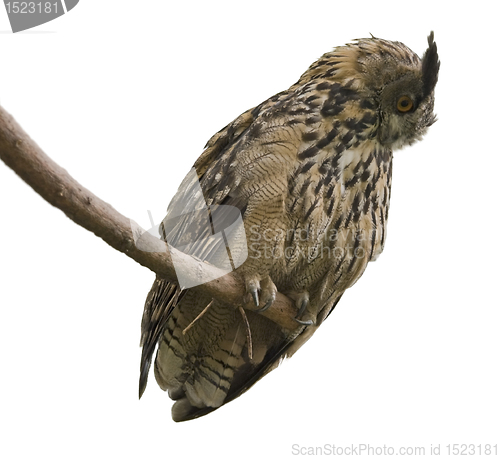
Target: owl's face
x=406, y=112
x=402, y=89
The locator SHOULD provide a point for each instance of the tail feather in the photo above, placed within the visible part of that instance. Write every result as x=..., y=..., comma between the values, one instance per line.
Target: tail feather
x=160, y=302
x=209, y=364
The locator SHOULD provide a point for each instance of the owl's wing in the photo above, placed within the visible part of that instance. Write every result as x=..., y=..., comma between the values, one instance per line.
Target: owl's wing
x=164, y=296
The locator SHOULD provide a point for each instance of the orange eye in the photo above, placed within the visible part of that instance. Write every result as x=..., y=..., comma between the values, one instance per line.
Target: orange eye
x=405, y=104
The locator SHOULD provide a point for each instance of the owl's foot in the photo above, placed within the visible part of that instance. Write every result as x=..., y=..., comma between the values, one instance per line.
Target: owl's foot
x=301, y=301
x=267, y=291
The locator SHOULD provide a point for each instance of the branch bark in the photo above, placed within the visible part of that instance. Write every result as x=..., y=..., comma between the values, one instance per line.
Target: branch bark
x=19, y=152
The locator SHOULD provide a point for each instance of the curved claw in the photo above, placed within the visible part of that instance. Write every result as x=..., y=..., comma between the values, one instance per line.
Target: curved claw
x=266, y=306
x=304, y=322
x=303, y=301
x=263, y=292
x=303, y=306
x=255, y=296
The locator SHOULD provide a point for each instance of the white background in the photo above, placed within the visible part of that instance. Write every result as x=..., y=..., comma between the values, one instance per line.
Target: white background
x=124, y=95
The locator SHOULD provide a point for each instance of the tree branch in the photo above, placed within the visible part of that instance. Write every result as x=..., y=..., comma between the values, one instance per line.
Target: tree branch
x=56, y=186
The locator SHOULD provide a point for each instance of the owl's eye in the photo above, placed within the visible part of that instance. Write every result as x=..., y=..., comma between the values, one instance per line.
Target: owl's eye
x=405, y=104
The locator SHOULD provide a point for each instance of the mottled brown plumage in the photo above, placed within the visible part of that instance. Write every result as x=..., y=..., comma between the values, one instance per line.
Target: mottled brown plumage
x=310, y=171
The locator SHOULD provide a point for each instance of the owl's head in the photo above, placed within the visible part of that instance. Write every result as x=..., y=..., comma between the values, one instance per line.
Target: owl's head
x=401, y=86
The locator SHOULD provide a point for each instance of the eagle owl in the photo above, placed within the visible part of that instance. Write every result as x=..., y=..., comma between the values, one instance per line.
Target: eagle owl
x=309, y=169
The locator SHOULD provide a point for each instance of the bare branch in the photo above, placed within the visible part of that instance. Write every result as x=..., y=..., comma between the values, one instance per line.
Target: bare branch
x=56, y=186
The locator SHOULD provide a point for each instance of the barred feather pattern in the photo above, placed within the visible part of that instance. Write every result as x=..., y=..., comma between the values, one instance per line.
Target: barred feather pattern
x=310, y=170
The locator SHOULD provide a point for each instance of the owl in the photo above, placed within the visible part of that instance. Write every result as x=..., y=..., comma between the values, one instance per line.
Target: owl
x=309, y=171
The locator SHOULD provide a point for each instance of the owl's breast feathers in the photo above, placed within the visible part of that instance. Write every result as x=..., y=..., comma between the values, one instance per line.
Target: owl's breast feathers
x=308, y=172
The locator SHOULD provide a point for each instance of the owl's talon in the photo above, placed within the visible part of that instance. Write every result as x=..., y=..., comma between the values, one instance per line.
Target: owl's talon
x=266, y=306
x=302, y=302
x=255, y=296
x=262, y=292
x=304, y=322
x=253, y=287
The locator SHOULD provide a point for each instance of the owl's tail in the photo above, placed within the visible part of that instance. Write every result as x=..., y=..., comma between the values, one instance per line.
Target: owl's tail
x=205, y=363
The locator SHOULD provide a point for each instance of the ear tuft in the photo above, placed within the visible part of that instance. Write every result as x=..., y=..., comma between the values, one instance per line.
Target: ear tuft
x=430, y=65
